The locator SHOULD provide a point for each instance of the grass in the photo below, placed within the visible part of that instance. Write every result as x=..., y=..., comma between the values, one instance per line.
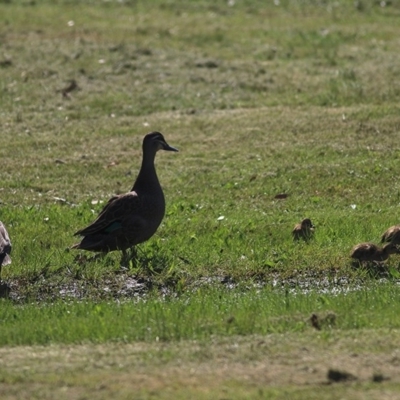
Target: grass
x=292, y=97
x=237, y=367
x=200, y=315
x=349, y=190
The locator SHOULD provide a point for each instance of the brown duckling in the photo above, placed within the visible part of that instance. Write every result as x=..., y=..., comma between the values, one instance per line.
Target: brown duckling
x=392, y=234
x=131, y=218
x=304, y=230
x=369, y=252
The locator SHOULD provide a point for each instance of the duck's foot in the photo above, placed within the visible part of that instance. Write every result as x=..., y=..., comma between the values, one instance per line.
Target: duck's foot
x=129, y=258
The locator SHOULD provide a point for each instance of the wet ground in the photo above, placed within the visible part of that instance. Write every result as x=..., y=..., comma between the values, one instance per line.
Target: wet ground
x=124, y=285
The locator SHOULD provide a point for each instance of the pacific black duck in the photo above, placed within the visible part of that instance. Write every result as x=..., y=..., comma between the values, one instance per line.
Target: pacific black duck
x=131, y=218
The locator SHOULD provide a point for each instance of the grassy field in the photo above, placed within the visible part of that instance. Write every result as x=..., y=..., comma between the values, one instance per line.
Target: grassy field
x=289, y=97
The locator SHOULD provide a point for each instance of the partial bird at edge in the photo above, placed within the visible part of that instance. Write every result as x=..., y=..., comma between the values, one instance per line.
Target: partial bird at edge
x=5, y=247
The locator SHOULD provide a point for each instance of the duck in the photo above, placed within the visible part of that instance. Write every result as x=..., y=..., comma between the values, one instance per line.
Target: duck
x=392, y=234
x=131, y=218
x=5, y=247
x=370, y=252
x=304, y=230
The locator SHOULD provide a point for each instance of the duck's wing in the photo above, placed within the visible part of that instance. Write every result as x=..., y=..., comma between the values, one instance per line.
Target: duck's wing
x=296, y=228
x=296, y=232
x=115, y=211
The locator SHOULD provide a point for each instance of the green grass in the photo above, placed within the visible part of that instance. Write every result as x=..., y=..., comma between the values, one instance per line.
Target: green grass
x=261, y=98
x=201, y=315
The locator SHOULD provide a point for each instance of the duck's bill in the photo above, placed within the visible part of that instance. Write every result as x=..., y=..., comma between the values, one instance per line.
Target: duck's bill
x=169, y=148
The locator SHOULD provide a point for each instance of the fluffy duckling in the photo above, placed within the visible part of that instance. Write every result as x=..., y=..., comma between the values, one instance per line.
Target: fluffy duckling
x=369, y=252
x=131, y=218
x=392, y=234
x=304, y=230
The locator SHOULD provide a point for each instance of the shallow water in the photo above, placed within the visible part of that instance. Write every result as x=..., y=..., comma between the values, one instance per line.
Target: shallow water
x=123, y=286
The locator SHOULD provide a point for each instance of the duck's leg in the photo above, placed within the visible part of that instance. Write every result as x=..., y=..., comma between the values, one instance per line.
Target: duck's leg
x=128, y=256
x=133, y=256
x=125, y=259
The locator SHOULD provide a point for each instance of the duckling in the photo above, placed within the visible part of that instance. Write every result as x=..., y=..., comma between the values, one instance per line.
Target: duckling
x=131, y=218
x=369, y=252
x=5, y=247
x=392, y=234
x=304, y=230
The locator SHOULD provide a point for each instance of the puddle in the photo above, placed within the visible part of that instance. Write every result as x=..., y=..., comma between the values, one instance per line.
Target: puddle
x=124, y=286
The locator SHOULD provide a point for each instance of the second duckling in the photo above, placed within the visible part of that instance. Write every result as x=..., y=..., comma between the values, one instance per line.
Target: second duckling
x=392, y=234
x=370, y=252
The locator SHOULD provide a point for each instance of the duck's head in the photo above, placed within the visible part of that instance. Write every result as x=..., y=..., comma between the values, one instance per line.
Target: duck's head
x=306, y=223
x=391, y=248
x=155, y=141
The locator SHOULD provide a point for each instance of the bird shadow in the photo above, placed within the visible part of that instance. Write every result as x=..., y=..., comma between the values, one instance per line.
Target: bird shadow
x=146, y=262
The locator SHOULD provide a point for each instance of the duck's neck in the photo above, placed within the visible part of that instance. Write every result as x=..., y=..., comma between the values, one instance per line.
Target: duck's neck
x=147, y=174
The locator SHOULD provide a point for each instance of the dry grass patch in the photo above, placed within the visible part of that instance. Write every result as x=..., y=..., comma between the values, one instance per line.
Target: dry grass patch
x=275, y=365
